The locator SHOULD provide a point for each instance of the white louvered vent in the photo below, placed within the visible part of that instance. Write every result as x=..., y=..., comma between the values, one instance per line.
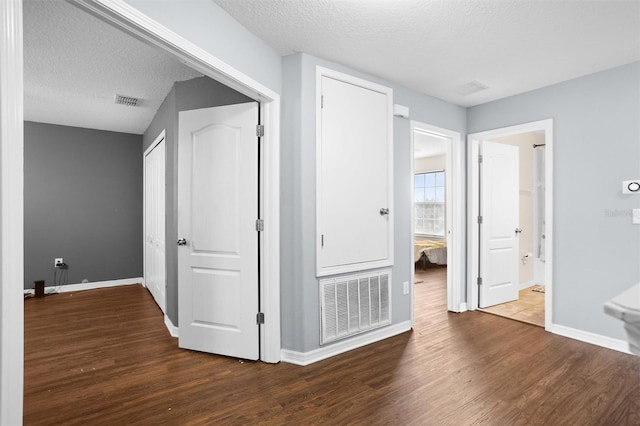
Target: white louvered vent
x=355, y=303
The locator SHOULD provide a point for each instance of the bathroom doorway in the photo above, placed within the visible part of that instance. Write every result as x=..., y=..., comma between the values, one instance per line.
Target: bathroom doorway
x=510, y=242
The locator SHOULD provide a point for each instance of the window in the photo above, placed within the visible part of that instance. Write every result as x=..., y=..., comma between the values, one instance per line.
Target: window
x=429, y=203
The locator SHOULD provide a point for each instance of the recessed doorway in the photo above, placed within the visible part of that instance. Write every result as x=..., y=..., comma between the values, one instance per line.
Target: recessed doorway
x=510, y=222
x=437, y=225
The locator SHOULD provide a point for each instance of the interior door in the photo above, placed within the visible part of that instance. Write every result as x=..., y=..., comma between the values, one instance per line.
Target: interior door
x=217, y=213
x=499, y=208
x=355, y=223
x=154, y=223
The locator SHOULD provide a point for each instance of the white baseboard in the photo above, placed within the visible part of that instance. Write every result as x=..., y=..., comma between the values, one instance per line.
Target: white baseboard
x=592, y=338
x=173, y=330
x=306, y=358
x=88, y=286
x=463, y=307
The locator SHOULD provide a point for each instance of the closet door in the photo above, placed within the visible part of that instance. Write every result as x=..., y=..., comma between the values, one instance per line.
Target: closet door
x=154, y=223
x=354, y=187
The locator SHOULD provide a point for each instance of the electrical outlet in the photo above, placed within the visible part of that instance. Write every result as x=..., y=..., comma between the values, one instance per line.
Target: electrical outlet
x=405, y=287
x=57, y=261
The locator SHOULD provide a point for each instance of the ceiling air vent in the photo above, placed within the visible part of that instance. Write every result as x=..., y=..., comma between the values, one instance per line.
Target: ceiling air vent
x=471, y=87
x=127, y=100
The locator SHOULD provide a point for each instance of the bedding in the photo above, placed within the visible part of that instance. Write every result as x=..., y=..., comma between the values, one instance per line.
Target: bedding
x=434, y=251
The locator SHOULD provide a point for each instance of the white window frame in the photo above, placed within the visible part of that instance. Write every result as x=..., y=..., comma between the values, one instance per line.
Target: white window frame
x=444, y=206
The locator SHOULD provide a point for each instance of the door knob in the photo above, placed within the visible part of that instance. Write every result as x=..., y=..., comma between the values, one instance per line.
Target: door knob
x=518, y=230
x=384, y=212
x=182, y=242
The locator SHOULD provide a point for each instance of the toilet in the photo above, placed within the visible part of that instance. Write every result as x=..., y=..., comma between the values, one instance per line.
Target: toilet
x=626, y=306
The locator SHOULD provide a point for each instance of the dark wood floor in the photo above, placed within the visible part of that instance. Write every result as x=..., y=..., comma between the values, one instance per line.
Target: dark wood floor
x=104, y=357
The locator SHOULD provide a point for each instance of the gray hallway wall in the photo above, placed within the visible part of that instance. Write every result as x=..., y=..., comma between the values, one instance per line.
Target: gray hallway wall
x=596, y=147
x=299, y=285
x=82, y=202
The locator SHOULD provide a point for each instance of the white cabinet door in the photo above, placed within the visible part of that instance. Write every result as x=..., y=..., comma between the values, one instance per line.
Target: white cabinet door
x=217, y=212
x=499, y=206
x=355, y=215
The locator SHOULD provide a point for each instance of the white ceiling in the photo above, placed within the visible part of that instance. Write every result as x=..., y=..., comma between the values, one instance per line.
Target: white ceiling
x=74, y=64
x=439, y=46
x=428, y=145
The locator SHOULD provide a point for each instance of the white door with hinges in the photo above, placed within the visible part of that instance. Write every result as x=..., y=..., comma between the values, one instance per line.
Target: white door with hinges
x=355, y=175
x=217, y=213
x=499, y=208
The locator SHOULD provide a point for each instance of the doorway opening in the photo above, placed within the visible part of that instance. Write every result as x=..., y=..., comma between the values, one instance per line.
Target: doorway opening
x=128, y=19
x=510, y=222
x=437, y=227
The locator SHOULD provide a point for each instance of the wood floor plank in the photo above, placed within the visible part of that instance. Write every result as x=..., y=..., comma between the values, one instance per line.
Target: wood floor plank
x=104, y=357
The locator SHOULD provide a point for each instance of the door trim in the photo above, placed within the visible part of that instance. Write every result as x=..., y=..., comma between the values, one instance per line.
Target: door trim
x=12, y=214
x=156, y=142
x=474, y=140
x=126, y=18
x=454, y=214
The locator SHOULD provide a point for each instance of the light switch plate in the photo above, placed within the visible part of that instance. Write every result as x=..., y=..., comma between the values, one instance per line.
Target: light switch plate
x=635, y=216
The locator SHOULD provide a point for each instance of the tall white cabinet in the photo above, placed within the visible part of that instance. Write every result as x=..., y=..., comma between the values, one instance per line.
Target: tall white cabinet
x=354, y=220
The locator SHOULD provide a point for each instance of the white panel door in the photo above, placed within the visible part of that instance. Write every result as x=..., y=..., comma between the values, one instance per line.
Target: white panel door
x=355, y=168
x=154, y=208
x=499, y=208
x=217, y=212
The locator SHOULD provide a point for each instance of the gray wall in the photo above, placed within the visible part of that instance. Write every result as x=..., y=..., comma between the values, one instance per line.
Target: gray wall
x=596, y=147
x=82, y=202
x=299, y=286
x=198, y=93
x=207, y=25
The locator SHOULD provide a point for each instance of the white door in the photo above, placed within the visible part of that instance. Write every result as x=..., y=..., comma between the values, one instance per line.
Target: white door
x=355, y=177
x=154, y=223
x=217, y=213
x=499, y=207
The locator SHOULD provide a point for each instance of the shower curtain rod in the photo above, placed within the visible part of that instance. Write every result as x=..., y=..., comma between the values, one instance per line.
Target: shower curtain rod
x=540, y=144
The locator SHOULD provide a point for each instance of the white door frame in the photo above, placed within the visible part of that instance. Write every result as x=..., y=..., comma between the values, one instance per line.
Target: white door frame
x=12, y=215
x=127, y=18
x=454, y=190
x=156, y=142
x=474, y=140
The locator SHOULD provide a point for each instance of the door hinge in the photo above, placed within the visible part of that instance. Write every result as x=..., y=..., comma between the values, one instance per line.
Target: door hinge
x=260, y=130
x=480, y=220
x=480, y=158
x=322, y=240
x=322, y=101
x=259, y=225
x=479, y=280
x=260, y=318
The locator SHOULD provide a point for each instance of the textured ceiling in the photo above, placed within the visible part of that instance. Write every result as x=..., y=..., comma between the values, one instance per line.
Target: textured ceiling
x=439, y=46
x=74, y=64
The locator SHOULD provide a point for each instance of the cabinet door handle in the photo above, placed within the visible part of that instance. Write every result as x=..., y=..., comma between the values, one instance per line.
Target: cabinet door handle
x=181, y=242
x=384, y=212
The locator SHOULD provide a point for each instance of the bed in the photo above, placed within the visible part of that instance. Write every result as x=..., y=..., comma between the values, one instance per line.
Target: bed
x=432, y=251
